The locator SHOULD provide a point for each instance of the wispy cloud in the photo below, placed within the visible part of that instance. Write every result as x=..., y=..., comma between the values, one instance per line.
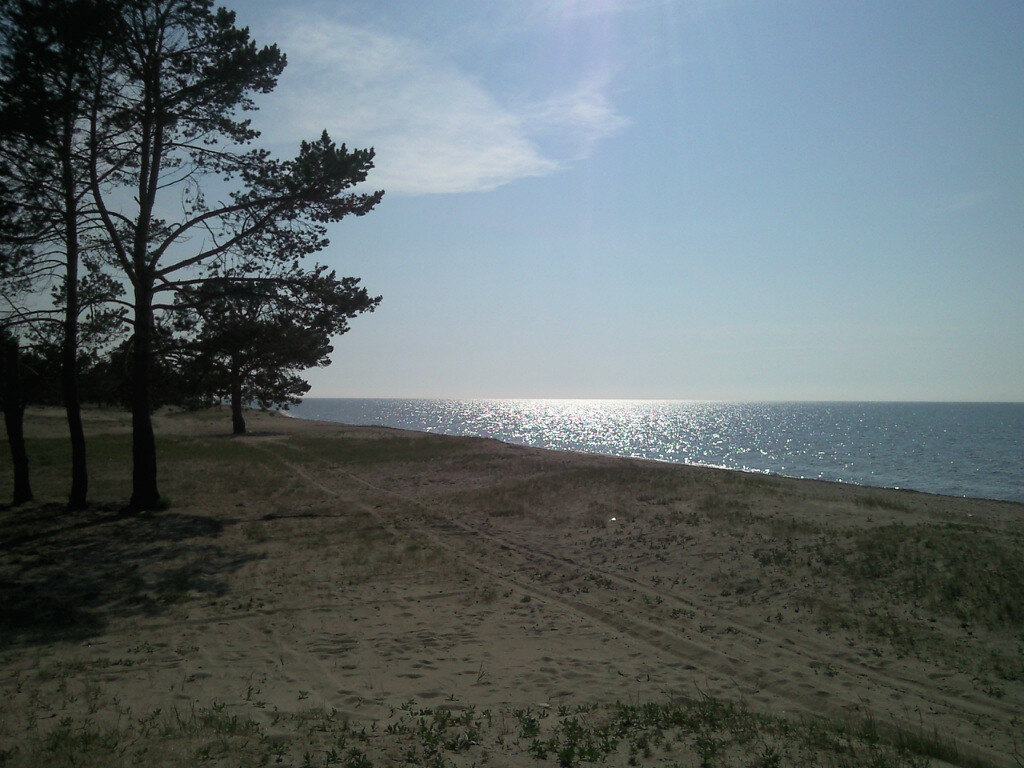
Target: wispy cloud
x=582, y=118
x=565, y=10
x=570, y=11
x=436, y=128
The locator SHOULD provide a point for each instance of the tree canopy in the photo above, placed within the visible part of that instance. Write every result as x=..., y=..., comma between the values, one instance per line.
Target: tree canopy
x=249, y=336
x=113, y=113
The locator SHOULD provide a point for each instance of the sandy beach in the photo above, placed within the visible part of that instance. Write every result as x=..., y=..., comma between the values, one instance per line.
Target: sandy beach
x=318, y=594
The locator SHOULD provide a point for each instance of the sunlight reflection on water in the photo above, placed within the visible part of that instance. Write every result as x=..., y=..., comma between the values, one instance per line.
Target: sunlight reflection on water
x=964, y=449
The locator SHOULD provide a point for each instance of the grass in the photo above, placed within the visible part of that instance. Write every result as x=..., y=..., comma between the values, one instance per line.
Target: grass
x=403, y=448
x=182, y=460
x=943, y=592
x=950, y=570
x=702, y=731
x=883, y=502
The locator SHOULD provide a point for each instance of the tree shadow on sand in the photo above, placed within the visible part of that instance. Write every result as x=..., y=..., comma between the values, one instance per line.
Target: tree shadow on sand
x=65, y=576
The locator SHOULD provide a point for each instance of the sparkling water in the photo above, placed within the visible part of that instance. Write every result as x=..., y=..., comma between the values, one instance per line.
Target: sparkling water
x=959, y=449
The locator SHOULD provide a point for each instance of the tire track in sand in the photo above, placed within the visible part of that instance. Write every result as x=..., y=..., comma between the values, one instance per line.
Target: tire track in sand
x=757, y=669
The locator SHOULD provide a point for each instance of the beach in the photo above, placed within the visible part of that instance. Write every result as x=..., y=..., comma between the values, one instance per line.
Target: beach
x=320, y=594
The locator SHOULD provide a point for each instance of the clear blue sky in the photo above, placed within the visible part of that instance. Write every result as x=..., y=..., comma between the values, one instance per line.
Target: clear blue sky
x=708, y=199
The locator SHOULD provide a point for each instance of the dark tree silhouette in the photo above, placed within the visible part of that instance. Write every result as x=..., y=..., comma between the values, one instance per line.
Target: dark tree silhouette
x=184, y=72
x=50, y=63
x=248, y=337
x=147, y=97
x=15, y=278
x=12, y=403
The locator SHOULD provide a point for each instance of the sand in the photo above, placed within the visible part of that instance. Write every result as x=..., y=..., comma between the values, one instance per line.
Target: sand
x=316, y=567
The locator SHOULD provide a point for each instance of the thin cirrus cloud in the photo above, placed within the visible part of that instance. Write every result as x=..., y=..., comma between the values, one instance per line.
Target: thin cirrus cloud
x=568, y=10
x=435, y=128
x=583, y=116
x=561, y=12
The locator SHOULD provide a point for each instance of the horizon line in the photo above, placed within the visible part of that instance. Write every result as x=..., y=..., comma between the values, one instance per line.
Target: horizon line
x=667, y=399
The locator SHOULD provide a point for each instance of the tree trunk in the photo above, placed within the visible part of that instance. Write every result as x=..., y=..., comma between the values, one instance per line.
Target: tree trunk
x=145, y=495
x=69, y=389
x=69, y=351
x=237, y=419
x=14, y=412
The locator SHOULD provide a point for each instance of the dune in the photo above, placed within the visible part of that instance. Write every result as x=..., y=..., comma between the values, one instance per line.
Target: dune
x=319, y=594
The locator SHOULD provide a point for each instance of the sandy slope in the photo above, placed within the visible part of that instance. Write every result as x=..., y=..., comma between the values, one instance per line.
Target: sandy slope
x=359, y=568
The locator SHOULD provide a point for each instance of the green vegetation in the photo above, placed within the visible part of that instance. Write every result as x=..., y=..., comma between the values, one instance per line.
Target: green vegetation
x=408, y=447
x=950, y=570
x=703, y=731
x=933, y=591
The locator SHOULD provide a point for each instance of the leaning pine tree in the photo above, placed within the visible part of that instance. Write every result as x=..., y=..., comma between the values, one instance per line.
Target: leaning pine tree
x=181, y=73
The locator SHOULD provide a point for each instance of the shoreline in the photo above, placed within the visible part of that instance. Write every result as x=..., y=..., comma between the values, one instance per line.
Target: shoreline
x=57, y=414
x=746, y=471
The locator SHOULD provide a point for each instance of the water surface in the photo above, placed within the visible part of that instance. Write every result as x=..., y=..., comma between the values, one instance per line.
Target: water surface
x=959, y=449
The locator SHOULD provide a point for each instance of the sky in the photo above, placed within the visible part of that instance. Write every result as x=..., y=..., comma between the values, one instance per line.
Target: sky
x=679, y=199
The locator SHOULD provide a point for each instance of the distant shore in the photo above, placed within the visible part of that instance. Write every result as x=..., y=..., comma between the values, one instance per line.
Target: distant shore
x=310, y=567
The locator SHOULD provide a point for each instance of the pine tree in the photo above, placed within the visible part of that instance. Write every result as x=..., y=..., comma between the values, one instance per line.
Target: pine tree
x=50, y=64
x=138, y=101
x=249, y=336
x=184, y=74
